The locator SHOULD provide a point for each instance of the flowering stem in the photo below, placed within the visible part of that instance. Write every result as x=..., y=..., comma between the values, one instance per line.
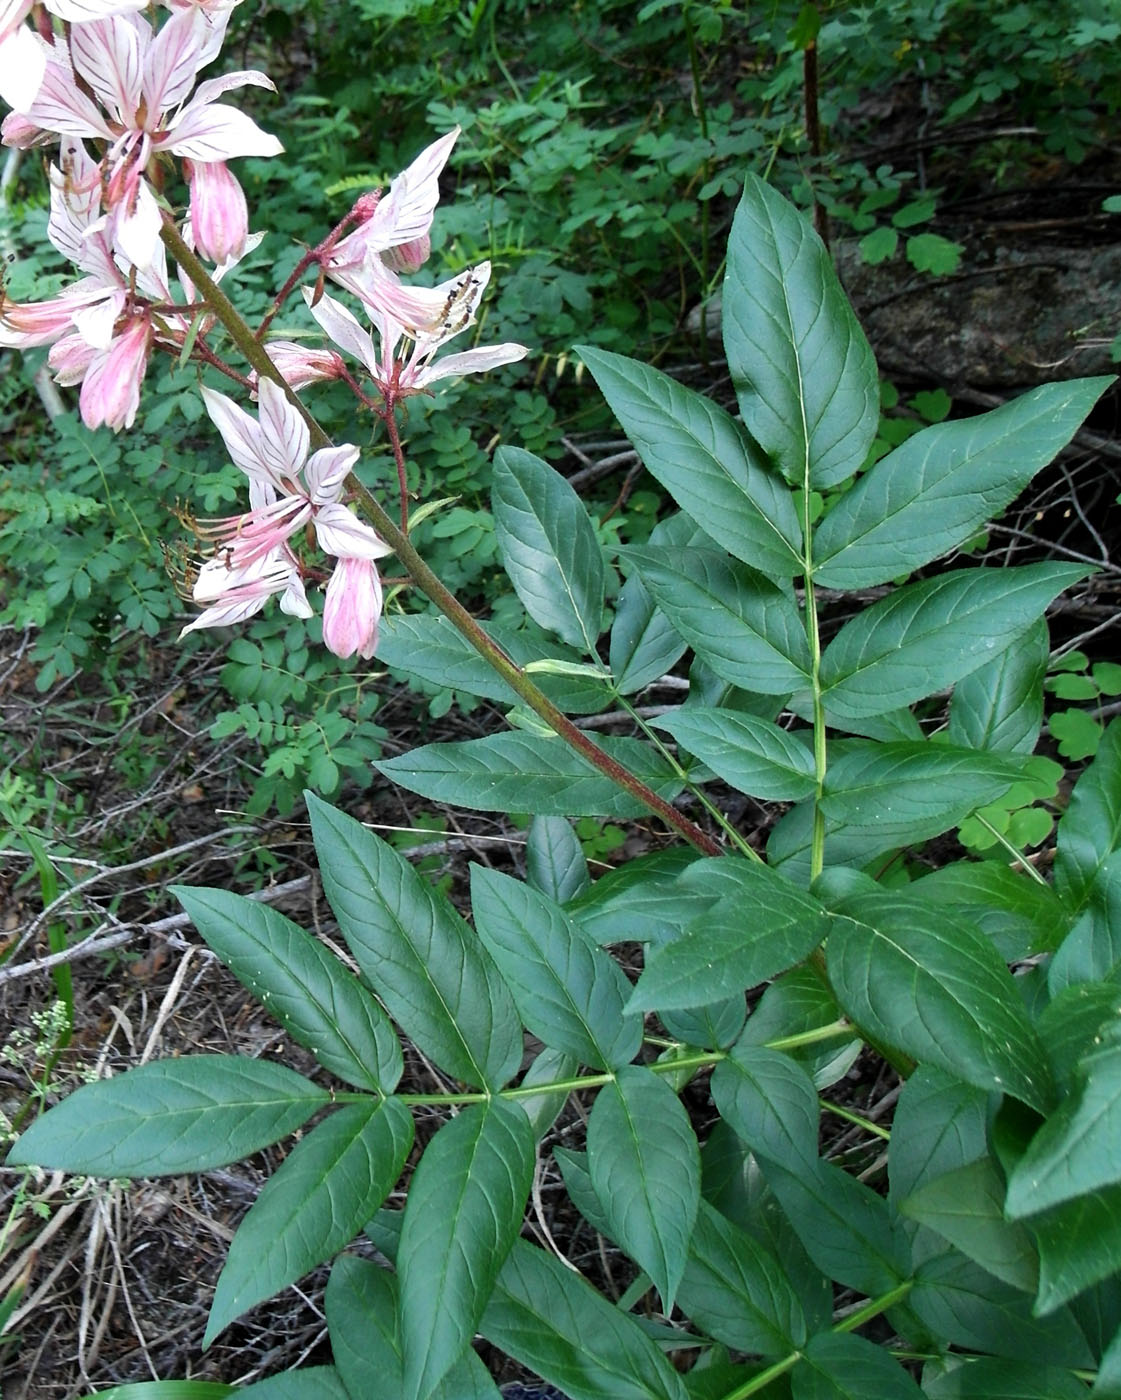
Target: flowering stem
x=422, y=575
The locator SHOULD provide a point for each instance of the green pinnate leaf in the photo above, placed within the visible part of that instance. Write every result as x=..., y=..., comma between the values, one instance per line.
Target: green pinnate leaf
x=736, y=1290
x=554, y=859
x=753, y=755
x=518, y=772
x=1000, y=704
x=463, y=1214
x=569, y=993
x=328, y=1186
x=727, y=950
x=802, y=367
x=937, y=488
x=170, y=1117
x=417, y=953
x=703, y=458
x=743, y=625
x=319, y=1003
x=645, y=1167
x=547, y=1317
x=928, y=635
x=966, y=1207
x=843, y=1366
x=549, y=547
x=928, y=982
x=1078, y=1149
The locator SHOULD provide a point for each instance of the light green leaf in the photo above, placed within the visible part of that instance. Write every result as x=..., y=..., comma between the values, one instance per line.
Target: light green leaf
x=703, y=458
x=736, y=1290
x=428, y=646
x=417, y=953
x=961, y=1304
x=528, y=772
x=1091, y=830
x=1000, y=704
x=1078, y=1149
x=802, y=368
x=798, y=1002
x=328, y=1186
x=549, y=547
x=930, y=252
x=1091, y=951
x=752, y=755
x=939, y=486
x=645, y=1167
x=319, y=1003
x=545, y=1316
x=931, y=984
x=554, y=859
x=1020, y=915
x=941, y=1122
x=843, y=1366
x=736, y=620
x=184, y=1115
x=641, y=901
x=549, y=1067
x=753, y=932
x=966, y=1207
x=463, y=1214
x=569, y=993
x=714, y=1026
x=928, y=635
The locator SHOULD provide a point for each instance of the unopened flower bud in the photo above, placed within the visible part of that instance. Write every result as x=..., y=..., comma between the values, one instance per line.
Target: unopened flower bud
x=219, y=216
x=352, y=609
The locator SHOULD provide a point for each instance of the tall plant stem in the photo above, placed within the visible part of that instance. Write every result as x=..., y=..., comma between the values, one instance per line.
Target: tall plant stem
x=422, y=575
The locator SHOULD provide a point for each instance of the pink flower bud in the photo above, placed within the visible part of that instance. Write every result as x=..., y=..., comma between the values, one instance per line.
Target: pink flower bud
x=301, y=365
x=111, y=389
x=352, y=609
x=407, y=257
x=219, y=217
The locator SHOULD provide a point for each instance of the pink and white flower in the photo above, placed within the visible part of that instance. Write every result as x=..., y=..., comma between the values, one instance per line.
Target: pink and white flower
x=453, y=307
x=288, y=490
x=394, y=233
x=142, y=80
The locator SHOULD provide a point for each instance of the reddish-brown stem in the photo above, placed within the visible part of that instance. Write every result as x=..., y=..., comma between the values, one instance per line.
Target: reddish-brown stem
x=312, y=255
x=424, y=577
x=399, y=458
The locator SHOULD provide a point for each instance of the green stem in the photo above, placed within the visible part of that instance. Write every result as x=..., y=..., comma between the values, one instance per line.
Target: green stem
x=813, y=635
x=422, y=575
x=850, y=1117
x=1017, y=856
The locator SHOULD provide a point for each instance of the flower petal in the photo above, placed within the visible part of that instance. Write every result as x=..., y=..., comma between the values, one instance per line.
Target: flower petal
x=107, y=53
x=62, y=107
x=283, y=432
x=23, y=65
x=326, y=471
x=136, y=236
x=173, y=61
x=406, y=211
x=483, y=357
x=246, y=77
x=343, y=328
x=340, y=532
x=242, y=436
x=213, y=131
x=352, y=609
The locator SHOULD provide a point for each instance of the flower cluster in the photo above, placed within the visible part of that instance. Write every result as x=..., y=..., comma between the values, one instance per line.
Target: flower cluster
x=120, y=96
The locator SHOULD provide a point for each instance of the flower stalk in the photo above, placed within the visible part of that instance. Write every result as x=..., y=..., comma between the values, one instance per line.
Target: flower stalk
x=423, y=576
